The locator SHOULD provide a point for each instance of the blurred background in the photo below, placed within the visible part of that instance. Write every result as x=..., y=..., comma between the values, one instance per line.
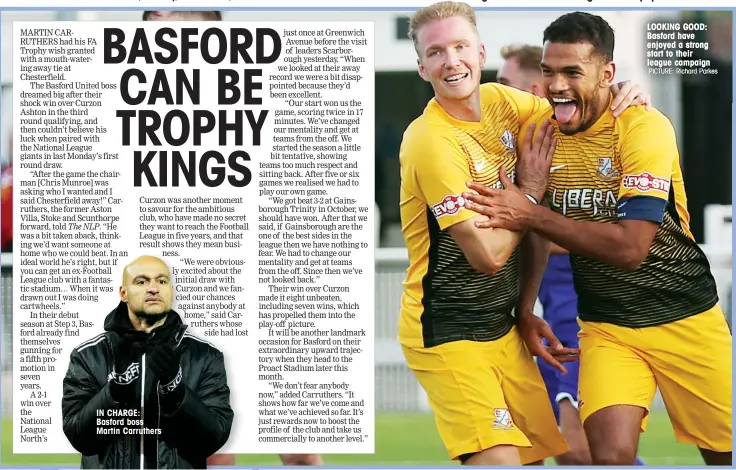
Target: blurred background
x=699, y=106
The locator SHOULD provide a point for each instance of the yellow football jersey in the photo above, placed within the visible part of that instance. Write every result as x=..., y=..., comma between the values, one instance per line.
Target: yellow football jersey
x=629, y=168
x=445, y=299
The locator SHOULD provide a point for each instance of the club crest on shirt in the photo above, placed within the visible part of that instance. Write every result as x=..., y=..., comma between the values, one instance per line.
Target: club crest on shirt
x=502, y=419
x=507, y=139
x=605, y=169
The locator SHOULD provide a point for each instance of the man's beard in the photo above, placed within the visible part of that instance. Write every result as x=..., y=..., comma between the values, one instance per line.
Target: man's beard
x=150, y=319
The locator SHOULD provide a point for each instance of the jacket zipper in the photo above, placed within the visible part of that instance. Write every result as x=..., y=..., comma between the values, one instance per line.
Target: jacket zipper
x=143, y=417
x=158, y=403
x=158, y=400
x=158, y=424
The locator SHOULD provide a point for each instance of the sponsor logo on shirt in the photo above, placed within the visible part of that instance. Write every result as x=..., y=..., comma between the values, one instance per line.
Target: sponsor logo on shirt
x=449, y=205
x=594, y=201
x=646, y=182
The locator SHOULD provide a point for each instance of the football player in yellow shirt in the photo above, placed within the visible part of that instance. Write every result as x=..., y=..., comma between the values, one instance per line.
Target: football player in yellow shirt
x=647, y=300
x=456, y=326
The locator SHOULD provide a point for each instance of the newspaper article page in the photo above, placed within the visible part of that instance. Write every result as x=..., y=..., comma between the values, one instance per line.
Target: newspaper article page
x=287, y=179
x=241, y=155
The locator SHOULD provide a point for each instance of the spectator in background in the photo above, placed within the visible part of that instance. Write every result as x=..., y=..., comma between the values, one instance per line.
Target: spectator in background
x=225, y=459
x=521, y=70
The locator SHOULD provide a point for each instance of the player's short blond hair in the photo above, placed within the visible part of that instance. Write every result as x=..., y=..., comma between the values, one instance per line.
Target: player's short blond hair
x=440, y=11
x=529, y=57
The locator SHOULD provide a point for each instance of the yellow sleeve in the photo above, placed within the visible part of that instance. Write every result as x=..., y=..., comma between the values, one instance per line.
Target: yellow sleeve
x=648, y=154
x=440, y=171
x=526, y=104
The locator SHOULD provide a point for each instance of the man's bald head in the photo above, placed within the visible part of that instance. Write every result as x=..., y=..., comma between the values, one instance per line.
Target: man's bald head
x=178, y=15
x=143, y=262
x=146, y=287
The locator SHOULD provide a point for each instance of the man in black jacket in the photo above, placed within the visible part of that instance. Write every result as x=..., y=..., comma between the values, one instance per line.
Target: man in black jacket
x=168, y=387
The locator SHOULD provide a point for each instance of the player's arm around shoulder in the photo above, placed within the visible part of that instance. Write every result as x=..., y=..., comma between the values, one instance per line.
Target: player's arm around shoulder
x=437, y=164
x=527, y=105
x=648, y=152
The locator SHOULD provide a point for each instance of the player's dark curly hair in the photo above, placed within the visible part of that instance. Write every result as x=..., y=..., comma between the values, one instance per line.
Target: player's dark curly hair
x=580, y=27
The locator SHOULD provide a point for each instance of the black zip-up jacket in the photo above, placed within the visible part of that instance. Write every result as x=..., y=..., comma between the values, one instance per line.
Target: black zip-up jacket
x=198, y=428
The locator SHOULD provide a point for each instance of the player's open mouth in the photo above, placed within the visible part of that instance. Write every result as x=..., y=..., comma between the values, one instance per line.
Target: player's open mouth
x=457, y=78
x=565, y=109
